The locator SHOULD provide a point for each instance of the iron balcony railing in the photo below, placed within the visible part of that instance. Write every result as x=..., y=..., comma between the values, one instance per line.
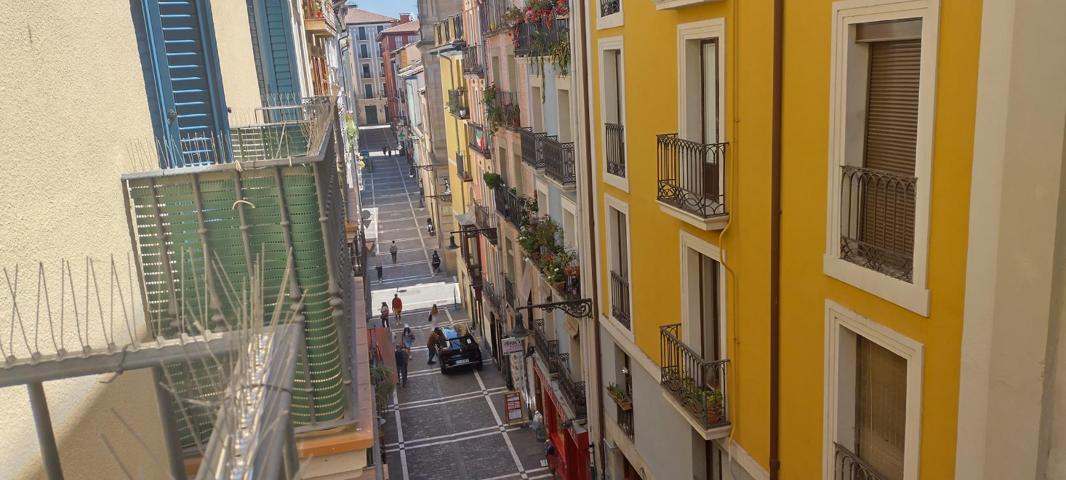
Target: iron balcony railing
x=547, y=349
x=559, y=160
x=510, y=205
x=877, y=220
x=625, y=421
x=473, y=63
x=620, y=298
x=491, y=13
x=531, y=147
x=573, y=390
x=538, y=39
x=616, y=150
x=610, y=7
x=486, y=221
x=508, y=291
x=503, y=110
x=488, y=291
x=479, y=138
x=457, y=104
x=698, y=385
x=461, y=168
x=848, y=466
x=692, y=175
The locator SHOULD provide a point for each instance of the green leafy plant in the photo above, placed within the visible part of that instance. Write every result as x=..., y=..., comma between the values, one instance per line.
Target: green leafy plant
x=498, y=112
x=492, y=180
x=457, y=102
x=382, y=380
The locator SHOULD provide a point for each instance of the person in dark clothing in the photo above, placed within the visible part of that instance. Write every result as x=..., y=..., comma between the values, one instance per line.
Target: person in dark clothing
x=393, y=251
x=435, y=262
x=378, y=268
x=401, y=364
x=384, y=315
x=432, y=343
x=385, y=150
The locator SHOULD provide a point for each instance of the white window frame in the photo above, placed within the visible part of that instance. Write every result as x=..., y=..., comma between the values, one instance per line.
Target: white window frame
x=568, y=206
x=846, y=14
x=610, y=203
x=605, y=44
x=841, y=327
x=610, y=21
x=688, y=242
x=701, y=30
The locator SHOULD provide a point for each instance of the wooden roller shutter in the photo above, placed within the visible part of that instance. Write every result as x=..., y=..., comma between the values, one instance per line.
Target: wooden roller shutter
x=889, y=150
x=880, y=408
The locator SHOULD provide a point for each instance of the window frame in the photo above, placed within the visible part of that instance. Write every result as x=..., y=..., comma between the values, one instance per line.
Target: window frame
x=846, y=16
x=611, y=202
x=613, y=20
x=605, y=45
x=688, y=242
x=841, y=328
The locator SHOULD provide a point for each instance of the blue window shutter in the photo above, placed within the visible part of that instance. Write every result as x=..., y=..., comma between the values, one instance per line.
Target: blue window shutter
x=277, y=51
x=188, y=81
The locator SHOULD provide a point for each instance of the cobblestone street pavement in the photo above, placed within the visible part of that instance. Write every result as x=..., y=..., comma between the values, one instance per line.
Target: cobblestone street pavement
x=440, y=426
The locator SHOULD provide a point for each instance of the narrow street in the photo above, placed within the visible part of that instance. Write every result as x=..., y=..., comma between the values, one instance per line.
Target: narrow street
x=440, y=426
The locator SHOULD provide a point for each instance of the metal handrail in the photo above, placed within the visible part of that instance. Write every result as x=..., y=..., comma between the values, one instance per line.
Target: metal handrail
x=699, y=385
x=692, y=175
x=573, y=390
x=877, y=220
x=510, y=205
x=610, y=7
x=547, y=349
x=849, y=466
x=531, y=147
x=536, y=39
x=616, y=151
x=559, y=160
x=620, y=298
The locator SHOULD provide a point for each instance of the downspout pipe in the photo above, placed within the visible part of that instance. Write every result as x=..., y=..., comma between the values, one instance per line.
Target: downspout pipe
x=775, y=240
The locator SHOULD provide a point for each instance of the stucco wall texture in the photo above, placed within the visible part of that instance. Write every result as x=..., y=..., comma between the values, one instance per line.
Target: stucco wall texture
x=72, y=98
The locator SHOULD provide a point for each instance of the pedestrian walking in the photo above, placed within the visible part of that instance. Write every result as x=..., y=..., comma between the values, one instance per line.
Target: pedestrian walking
x=379, y=269
x=393, y=251
x=408, y=338
x=432, y=343
x=385, y=150
x=397, y=306
x=553, y=457
x=435, y=262
x=401, y=364
x=384, y=315
x=430, y=228
x=434, y=320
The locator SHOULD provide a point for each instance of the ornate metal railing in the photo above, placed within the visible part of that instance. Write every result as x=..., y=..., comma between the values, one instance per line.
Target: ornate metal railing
x=486, y=221
x=473, y=64
x=559, y=160
x=510, y=205
x=620, y=298
x=461, y=168
x=531, y=147
x=698, y=385
x=692, y=175
x=625, y=421
x=848, y=466
x=877, y=220
x=508, y=291
x=609, y=7
x=537, y=39
x=479, y=138
x=503, y=110
x=489, y=292
x=548, y=349
x=491, y=14
x=457, y=104
x=573, y=390
x=616, y=151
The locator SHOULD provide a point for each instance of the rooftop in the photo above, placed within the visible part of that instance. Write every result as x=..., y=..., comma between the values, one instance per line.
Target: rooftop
x=357, y=15
x=407, y=27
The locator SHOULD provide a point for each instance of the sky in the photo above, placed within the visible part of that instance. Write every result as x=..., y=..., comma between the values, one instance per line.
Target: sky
x=391, y=8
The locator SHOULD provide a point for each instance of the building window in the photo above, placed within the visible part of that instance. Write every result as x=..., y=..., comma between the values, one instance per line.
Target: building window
x=874, y=400
x=382, y=65
x=610, y=14
x=368, y=91
x=612, y=105
x=366, y=70
x=880, y=148
x=618, y=260
x=362, y=33
x=363, y=53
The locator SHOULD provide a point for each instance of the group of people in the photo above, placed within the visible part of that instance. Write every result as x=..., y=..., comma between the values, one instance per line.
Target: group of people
x=434, y=260
x=397, y=309
x=407, y=341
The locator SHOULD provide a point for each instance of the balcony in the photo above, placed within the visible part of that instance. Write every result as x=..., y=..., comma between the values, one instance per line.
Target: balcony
x=573, y=390
x=623, y=399
x=559, y=161
x=319, y=17
x=538, y=39
x=479, y=138
x=457, y=105
x=531, y=147
x=509, y=291
x=461, y=168
x=697, y=387
x=610, y=7
x=620, y=298
x=691, y=182
x=488, y=291
x=501, y=109
x=493, y=16
x=547, y=349
x=511, y=205
x=473, y=63
x=486, y=221
x=616, y=151
x=848, y=466
x=557, y=264
x=877, y=220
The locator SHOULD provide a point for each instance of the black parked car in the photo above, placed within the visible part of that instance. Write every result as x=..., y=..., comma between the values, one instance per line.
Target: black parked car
x=458, y=349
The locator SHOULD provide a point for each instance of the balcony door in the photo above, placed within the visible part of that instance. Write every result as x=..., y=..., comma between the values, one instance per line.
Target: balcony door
x=709, y=121
x=702, y=328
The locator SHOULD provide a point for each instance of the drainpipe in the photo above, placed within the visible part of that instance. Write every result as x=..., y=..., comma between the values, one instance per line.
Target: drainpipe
x=591, y=215
x=775, y=240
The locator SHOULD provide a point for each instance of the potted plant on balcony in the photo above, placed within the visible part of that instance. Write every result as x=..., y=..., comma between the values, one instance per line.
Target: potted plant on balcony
x=492, y=180
x=619, y=395
x=455, y=103
x=714, y=402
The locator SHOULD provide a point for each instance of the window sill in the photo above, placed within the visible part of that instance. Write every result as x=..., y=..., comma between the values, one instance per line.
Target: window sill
x=907, y=295
x=671, y=4
x=610, y=21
